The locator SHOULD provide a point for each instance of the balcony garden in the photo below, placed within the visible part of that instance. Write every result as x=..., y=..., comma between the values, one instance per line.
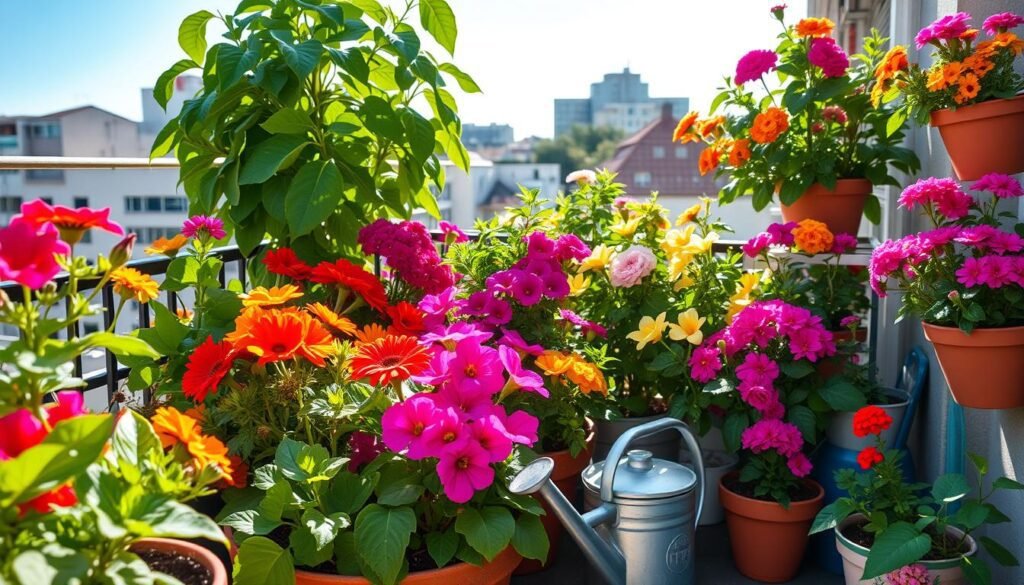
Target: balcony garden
x=373, y=401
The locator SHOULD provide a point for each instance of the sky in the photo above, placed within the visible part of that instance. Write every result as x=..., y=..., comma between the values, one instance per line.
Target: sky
x=58, y=54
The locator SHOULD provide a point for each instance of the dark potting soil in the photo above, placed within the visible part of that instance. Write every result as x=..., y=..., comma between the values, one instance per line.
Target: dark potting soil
x=419, y=560
x=800, y=493
x=856, y=533
x=182, y=567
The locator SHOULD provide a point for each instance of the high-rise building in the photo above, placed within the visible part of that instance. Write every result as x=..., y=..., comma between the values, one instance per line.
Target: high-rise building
x=477, y=136
x=620, y=100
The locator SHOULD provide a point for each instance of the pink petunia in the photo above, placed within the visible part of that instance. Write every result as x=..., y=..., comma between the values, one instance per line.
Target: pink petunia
x=519, y=377
x=404, y=424
x=464, y=470
x=757, y=244
x=556, y=285
x=498, y=311
x=528, y=289
x=520, y=426
x=754, y=65
x=489, y=433
x=513, y=339
x=27, y=253
x=539, y=244
x=452, y=233
x=570, y=247
x=447, y=430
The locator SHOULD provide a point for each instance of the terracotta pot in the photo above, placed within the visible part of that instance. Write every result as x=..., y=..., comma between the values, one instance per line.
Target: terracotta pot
x=496, y=572
x=840, y=425
x=840, y=208
x=201, y=555
x=984, y=369
x=566, y=476
x=768, y=541
x=984, y=138
x=855, y=556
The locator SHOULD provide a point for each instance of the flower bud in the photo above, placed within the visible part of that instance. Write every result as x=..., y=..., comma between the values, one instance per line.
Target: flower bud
x=121, y=253
x=954, y=295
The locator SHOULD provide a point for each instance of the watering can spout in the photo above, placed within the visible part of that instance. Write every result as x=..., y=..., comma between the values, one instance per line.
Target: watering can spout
x=535, y=478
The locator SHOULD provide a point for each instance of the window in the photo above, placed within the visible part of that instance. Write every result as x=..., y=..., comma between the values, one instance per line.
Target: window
x=45, y=130
x=658, y=152
x=641, y=179
x=172, y=204
x=80, y=202
x=132, y=204
x=682, y=152
x=153, y=204
x=10, y=204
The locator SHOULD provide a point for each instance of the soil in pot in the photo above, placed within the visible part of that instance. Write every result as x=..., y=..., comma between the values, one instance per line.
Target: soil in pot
x=801, y=493
x=857, y=534
x=178, y=565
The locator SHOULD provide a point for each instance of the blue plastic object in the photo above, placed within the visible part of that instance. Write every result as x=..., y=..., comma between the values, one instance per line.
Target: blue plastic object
x=912, y=377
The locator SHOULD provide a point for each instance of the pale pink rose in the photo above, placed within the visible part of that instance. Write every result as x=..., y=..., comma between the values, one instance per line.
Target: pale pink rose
x=631, y=266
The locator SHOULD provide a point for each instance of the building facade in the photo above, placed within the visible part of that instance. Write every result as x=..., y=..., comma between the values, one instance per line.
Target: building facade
x=620, y=100
x=477, y=136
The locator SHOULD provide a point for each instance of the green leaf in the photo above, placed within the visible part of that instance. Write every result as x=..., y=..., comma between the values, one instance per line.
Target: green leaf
x=1005, y=483
x=732, y=429
x=897, y=546
x=401, y=493
x=323, y=528
x=439, y=20
x=299, y=461
x=998, y=552
x=873, y=209
x=971, y=515
x=159, y=516
x=842, y=395
x=804, y=419
x=288, y=121
x=348, y=492
x=261, y=561
x=167, y=332
x=303, y=57
x=134, y=440
x=976, y=571
x=950, y=487
x=464, y=80
x=442, y=546
x=52, y=564
x=192, y=35
x=250, y=522
x=797, y=370
x=974, y=312
x=895, y=122
x=121, y=345
x=530, y=539
x=164, y=86
x=315, y=193
x=488, y=530
x=831, y=515
x=269, y=156
x=232, y=64
x=382, y=535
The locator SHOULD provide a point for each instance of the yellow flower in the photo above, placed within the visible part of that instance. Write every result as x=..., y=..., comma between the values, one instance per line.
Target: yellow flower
x=689, y=215
x=586, y=376
x=625, y=228
x=577, y=284
x=167, y=247
x=275, y=295
x=677, y=240
x=649, y=331
x=688, y=328
x=599, y=259
x=130, y=283
x=735, y=306
x=746, y=285
x=677, y=264
x=684, y=282
x=699, y=245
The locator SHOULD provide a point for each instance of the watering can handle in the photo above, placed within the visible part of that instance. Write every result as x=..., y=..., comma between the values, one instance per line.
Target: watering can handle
x=622, y=445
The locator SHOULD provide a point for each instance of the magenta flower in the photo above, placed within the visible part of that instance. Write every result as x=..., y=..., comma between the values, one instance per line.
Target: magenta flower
x=520, y=426
x=916, y=574
x=631, y=266
x=22, y=430
x=519, y=378
x=782, y=233
x=404, y=424
x=489, y=433
x=705, y=364
x=799, y=465
x=410, y=251
x=826, y=54
x=513, y=339
x=806, y=344
x=834, y=114
x=754, y=65
x=451, y=233
x=498, y=311
x=757, y=244
x=528, y=289
x=773, y=434
x=198, y=226
x=556, y=285
x=1000, y=185
x=849, y=321
x=1001, y=22
x=539, y=244
x=470, y=402
x=449, y=337
x=537, y=266
x=477, y=303
x=446, y=431
x=946, y=28
x=475, y=368
x=502, y=281
x=362, y=449
x=761, y=398
x=570, y=247
x=464, y=470
x=757, y=369
x=27, y=253
x=436, y=307
x=843, y=243
x=944, y=194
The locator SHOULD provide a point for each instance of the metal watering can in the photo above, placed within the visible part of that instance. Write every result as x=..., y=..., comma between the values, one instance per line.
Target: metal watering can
x=642, y=532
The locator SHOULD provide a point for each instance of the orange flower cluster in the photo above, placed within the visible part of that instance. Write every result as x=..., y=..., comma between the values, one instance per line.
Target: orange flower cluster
x=813, y=236
x=280, y=334
x=682, y=133
x=129, y=283
x=583, y=374
x=966, y=75
x=176, y=429
x=392, y=358
x=814, y=27
x=338, y=325
x=709, y=159
x=892, y=64
x=769, y=124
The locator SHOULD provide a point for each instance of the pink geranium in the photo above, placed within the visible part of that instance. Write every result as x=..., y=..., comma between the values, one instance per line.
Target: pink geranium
x=757, y=369
x=705, y=363
x=1001, y=22
x=1000, y=185
x=463, y=470
x=799, y=465
x=628, y=268
x=760, y=398
x=916, y=574
x=944, y=195
x=757, y=244
x=773, y=434
x=28, y=253
x=199, y=226
x=754, y=65
x=827, y=55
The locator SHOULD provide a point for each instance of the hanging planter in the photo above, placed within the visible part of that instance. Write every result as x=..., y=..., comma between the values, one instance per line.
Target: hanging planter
x=984, y=138
x=496, y=572
x=840, y=208
x=183, y=560
x=984, y=369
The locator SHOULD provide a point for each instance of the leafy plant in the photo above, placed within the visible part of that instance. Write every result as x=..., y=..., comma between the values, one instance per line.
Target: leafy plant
x=306, y=126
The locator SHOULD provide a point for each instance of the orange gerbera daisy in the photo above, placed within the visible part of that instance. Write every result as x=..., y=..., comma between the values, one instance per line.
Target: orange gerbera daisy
x=130, y=283
x=206, y=367
x=275, y=335
x=682, y=132
x=338, y=324
x=814, y=27
x=406, y=319
x=979, y=64
x=390, y=358
x=554, y=363
x=275, y=295
x=169, y=248
x=739, y=153
x=173, y=427
x=709, y=159
x=371, y=333
x=768, y=125
x=967, y=89
x=317, y=342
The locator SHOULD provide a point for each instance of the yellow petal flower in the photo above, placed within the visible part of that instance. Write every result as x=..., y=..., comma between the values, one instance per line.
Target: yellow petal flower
x=599, y=259
x=690, y=214
x=735, y=307
x=676, y=240
x=688, y=328
x=578, y=283
x=276, y=295
x=625, y=228
x=684, y=282
x=746, y=284
x=649, y=331
x=677, y=264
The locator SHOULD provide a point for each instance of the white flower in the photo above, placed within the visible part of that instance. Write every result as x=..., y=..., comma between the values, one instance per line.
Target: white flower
x=582, y=177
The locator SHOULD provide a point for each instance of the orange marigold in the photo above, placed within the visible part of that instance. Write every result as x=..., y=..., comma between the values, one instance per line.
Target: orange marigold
x=167, y=247
x=1010, y=41
x=768, y=125
x=275, y=295
x=130, y=283
x=979, y=64
x=739, y=153
x=391, y=358
x=709, y=159
x=951, y=72
x=813, y=236
x=338, y=324
x=893, y=62
x=814, y=27
x=554, y=363
x=586, y=376
x=682, y=132
x=173, y=427
x=936, y=80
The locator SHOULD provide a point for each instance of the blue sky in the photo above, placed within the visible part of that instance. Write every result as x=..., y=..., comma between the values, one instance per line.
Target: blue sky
x=58, y=54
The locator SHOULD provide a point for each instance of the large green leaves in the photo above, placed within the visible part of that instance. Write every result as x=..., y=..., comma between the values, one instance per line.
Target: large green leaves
x=315, y=193
x=262, y=562
x=269, y=156
x=488, y=530
x=899, y=545
x=439, y=20
x=530, y=540
x=192, y=34
x=382, y=535
x=164, y=86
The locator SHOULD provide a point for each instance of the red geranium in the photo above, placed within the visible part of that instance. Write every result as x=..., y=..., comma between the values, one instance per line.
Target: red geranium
x=355, y=278
x=206, y=367
x=72, y=223
x=869, y=457
x=285, y=262
x=870, y=420
x=406, y=319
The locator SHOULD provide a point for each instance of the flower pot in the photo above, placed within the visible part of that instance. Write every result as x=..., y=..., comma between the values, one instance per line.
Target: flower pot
x=984, y=138
x=768, y=541
x=855, y=556
x=840, y=208
x=205, y=558
x=840, y=426
x=496, y=572
x=566, y=477
x=984, y=369
x=716, y=465
x=664, y=445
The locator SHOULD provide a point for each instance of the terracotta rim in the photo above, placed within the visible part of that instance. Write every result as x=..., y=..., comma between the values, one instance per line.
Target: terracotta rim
x=933, y=565
x=989, y=337
x=203, y=556
x=986, y=109
x=770, y=511
x=844, y=187
x=503, y=564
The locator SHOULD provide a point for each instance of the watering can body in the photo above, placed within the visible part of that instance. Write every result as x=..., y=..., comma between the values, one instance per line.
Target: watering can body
x=641, y=528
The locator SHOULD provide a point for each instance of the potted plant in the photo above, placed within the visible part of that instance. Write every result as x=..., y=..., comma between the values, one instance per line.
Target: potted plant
x=962, y=279
x=969, y=92
x=305, y=121
x=763, y=364
x=886, y=527
x=814, y=138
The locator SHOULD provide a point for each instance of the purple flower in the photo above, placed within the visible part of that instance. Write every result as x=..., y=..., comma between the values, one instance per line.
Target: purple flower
x=498, y=311
x=556, y=285
x=1001, y=22
x=200, y=225
x=528, y=290
x=755, y=64
x=829, y=56
x=513, y=339
x=782, y=233
x=519, y=377
x=1003, y=186
x=570, y=247
x=539, y=244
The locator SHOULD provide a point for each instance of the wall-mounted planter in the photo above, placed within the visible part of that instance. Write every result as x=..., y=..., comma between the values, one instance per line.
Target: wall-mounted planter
x=984, y=138
x=984, y=369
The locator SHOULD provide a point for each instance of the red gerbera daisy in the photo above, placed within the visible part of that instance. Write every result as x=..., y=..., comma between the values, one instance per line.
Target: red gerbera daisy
x=390, y=358
x=283, y=261
x=206, y=367
x=406, y=319
x=72, y=223
x=354, y=278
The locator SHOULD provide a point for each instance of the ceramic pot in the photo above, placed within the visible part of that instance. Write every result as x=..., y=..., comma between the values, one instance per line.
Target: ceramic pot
x=984, y=138
x=566, y=477
x=855, y=556
x=768, y=541
x=496, y=572
x=201, y=555
x=664, y=445
x=984, y=369
x=840, y=208
x=840, y=426
x=716, y=465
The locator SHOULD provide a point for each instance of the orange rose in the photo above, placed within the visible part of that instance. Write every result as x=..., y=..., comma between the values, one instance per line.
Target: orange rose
x=813, y=236
x=814, y=27
x=769, y=124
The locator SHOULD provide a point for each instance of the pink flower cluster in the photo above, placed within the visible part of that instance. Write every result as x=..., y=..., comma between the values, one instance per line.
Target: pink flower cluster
x=409, y=251
x=904, y=254
x=944, y=195
x=631, y=266
x=754, y=65
x=28, y=252
x=909, y=575
x=1000, y=185
x=1002, y=22
x=771, y=434
x=834, y=114
x=827, y=55
x=989, y=239
x=451, y=233
x=944, y=29
x=585, y=325
x=460, y=425
x=781, y=234
x=199, y=226
x=991, y=271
